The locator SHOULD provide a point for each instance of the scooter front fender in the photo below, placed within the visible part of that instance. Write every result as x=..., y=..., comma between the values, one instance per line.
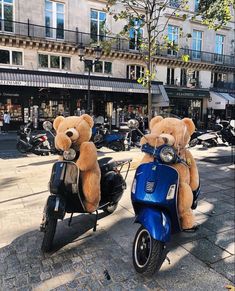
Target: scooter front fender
x=156, y=222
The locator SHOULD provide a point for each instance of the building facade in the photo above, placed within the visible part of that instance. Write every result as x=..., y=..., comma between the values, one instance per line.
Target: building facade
x=41, y=74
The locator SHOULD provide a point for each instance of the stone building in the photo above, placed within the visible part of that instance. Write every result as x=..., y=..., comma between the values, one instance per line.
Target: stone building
x=41, y=74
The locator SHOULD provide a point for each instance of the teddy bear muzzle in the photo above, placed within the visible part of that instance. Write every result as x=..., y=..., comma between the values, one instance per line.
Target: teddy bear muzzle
x=72, y=133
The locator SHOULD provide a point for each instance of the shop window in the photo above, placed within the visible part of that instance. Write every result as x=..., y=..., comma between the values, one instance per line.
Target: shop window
x=54, y=62
x=6, y=15
x=170, y=78
x=11, y=57
x=54, y=19
x=134, y=72
x=97, y=24
x=99, y=67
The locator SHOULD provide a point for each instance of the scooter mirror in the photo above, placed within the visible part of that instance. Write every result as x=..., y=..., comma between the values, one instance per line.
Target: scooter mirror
x=133, y=124
x=47, y=125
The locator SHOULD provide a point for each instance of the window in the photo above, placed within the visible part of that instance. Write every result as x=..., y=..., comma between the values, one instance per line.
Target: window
x=174, y=3
x=53, y=62
x=197, y=44
x=136, y=34
x=134, y=72
x=6, y=15
x=193, y=78
x=219, y=47
x=54, y=19
x=99, y=67
x=196, y=5
x=170, y=78
x=98, y=19
x=173, y=35
x=9, y=57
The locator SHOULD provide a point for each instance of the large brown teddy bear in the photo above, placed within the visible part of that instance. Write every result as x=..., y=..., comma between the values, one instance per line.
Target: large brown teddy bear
x=75, y=132
x=176, y=132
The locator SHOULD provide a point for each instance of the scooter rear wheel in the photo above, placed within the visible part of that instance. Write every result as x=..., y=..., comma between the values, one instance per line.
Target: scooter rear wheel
x=49, y=234
x=147, y=253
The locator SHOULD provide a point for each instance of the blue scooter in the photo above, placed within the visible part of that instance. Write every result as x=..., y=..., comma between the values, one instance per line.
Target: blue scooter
x=154, y=197
x=103, y=138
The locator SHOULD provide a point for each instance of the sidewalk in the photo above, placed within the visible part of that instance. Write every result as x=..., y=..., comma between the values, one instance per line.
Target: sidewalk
x=200, y=261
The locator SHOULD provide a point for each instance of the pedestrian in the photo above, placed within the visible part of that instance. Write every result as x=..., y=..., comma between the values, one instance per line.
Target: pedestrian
x=6, y=121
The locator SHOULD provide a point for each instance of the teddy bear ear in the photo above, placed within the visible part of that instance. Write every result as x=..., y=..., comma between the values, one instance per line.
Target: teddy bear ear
x=88, y=119
x=154, y=121
x=57, y=122
x=190, y=125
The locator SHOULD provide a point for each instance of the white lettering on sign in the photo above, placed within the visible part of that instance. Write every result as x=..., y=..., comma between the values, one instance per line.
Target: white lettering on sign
x=13, y=83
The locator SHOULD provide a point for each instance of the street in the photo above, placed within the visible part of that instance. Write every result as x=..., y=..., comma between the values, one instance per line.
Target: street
x=84, y=260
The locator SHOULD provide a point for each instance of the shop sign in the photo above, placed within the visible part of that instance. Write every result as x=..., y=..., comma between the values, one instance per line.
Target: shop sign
x=13, y=83
x=187, y=93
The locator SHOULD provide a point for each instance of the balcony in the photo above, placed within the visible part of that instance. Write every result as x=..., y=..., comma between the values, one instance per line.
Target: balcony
x=221, y=86
x=28, y=32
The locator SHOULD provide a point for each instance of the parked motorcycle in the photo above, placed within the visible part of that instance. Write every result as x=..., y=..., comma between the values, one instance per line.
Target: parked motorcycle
x=66, y=194
x=36, y=144
x=103, y=138
x=228, y=132
x=131, y=137
x=154, y=197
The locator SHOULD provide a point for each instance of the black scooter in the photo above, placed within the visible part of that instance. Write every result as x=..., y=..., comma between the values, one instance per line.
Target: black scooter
x=66, y=194
x=36, y=144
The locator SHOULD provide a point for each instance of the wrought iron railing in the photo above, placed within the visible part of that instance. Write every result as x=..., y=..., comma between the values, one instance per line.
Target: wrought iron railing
x=75, y=37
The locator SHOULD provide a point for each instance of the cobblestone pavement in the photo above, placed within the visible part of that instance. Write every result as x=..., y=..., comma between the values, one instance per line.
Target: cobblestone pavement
x=84, y=260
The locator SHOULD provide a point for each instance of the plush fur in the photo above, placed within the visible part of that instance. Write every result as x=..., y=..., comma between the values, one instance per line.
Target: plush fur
x=75, y=131
x=176, y=132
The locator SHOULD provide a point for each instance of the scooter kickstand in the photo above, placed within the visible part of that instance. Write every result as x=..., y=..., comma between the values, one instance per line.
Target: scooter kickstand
x=96, y=219
x=70, y=219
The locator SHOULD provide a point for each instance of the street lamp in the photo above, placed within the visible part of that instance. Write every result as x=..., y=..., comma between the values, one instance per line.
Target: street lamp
x=89, y=64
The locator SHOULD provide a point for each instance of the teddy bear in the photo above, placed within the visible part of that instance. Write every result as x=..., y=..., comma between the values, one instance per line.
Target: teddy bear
x=75, y=132
x=176, y=132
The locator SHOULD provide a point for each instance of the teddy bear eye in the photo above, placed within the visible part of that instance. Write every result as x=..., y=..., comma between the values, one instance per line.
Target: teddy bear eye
x=163, y=131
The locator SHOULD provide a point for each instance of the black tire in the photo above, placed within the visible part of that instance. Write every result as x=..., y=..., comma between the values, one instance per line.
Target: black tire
x=21, y=147
x=193, y=142
x=49, y=235
x=111, y=208
x=117, y=146
x=147, y=253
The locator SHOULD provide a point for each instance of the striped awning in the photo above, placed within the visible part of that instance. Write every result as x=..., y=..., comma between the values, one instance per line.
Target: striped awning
x=72, y=81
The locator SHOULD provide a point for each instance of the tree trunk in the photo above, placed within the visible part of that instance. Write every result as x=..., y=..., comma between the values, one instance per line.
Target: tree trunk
x=149, y=101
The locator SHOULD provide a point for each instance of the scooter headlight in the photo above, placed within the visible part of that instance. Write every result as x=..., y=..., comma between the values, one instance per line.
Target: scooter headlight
x=69, y=155
x=167, y=155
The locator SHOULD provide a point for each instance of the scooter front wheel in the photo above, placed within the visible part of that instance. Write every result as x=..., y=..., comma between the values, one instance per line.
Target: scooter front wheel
x=49, y=234
x=148, y=253
x=21, y=147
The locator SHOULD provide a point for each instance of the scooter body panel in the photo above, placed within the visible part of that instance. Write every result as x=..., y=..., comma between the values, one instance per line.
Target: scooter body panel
x=156, y=222
x=113, y=137
x=156, y=185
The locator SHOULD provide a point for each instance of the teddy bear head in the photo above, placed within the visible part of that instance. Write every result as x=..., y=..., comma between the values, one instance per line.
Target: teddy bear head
x=72, y=130
x=171, y=131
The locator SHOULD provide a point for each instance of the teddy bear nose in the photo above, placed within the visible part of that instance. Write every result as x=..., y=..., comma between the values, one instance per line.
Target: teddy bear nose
x=69, y=133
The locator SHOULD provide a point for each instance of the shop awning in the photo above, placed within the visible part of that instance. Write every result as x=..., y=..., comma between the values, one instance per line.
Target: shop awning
x=219, y=100
x=72, y=81
x=161, y=99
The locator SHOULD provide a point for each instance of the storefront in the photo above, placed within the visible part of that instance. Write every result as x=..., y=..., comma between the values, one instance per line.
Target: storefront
x=188, y=103
x=43, y=96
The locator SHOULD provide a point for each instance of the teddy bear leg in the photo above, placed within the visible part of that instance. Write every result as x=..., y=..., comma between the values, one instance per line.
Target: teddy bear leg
x=185, y=200
x=91, y=191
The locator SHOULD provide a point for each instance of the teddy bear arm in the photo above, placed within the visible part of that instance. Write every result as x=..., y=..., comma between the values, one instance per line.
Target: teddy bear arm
x=88, y=156
x=193, y=170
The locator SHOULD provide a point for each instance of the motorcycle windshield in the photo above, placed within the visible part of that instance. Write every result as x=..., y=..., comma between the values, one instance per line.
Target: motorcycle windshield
x=156, y=185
